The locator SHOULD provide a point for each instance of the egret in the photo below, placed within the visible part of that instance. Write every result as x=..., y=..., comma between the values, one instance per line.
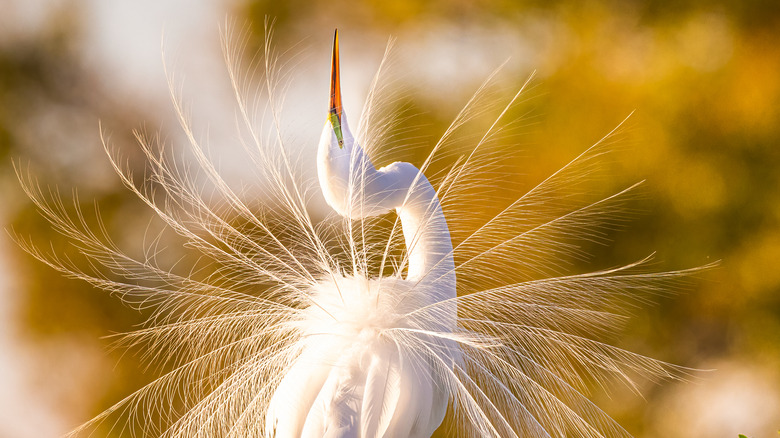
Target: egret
x=372, y=323
x=372, y=366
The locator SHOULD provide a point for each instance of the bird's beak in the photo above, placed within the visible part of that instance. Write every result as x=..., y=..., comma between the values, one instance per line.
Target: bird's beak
x=334, y=115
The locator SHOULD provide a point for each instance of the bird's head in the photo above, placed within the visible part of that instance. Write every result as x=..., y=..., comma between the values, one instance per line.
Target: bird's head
x=336, y=112
x=337, y=152
x=336, y=133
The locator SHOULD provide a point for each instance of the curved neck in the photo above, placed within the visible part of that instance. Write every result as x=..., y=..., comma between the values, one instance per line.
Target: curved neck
x=426, y=234
x=356, y=189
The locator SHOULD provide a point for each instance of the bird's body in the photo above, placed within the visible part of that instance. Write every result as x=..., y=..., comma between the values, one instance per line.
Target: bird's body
x=373, y=324
x=351, y=380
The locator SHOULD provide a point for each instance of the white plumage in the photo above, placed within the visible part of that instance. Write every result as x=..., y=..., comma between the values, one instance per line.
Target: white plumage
x=373, y=324
x=355, y=377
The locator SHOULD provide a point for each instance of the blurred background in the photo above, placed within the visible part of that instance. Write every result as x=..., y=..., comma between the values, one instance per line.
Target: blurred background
x=703, y=78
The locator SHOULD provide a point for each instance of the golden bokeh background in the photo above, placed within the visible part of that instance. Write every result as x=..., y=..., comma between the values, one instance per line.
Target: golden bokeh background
x=702, y=78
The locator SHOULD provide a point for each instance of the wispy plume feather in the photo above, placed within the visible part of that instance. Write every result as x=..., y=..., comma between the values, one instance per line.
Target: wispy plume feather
x=225, y=329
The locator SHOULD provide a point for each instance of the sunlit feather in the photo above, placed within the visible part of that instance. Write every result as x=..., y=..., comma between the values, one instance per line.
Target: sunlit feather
x=290, y=323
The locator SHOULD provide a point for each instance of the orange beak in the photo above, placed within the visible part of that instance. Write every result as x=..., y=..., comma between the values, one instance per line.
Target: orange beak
x=334, y=114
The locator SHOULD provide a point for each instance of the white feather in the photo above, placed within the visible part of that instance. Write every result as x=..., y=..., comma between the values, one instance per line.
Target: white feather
x=354, y=327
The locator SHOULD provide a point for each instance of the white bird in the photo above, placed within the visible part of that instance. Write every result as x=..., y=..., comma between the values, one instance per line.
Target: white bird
x=355, y=327
x=355, y=376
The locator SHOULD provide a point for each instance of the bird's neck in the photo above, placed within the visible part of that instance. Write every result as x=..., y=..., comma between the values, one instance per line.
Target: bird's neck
x=354, y=188
x=426, y=233
x=401, y=186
